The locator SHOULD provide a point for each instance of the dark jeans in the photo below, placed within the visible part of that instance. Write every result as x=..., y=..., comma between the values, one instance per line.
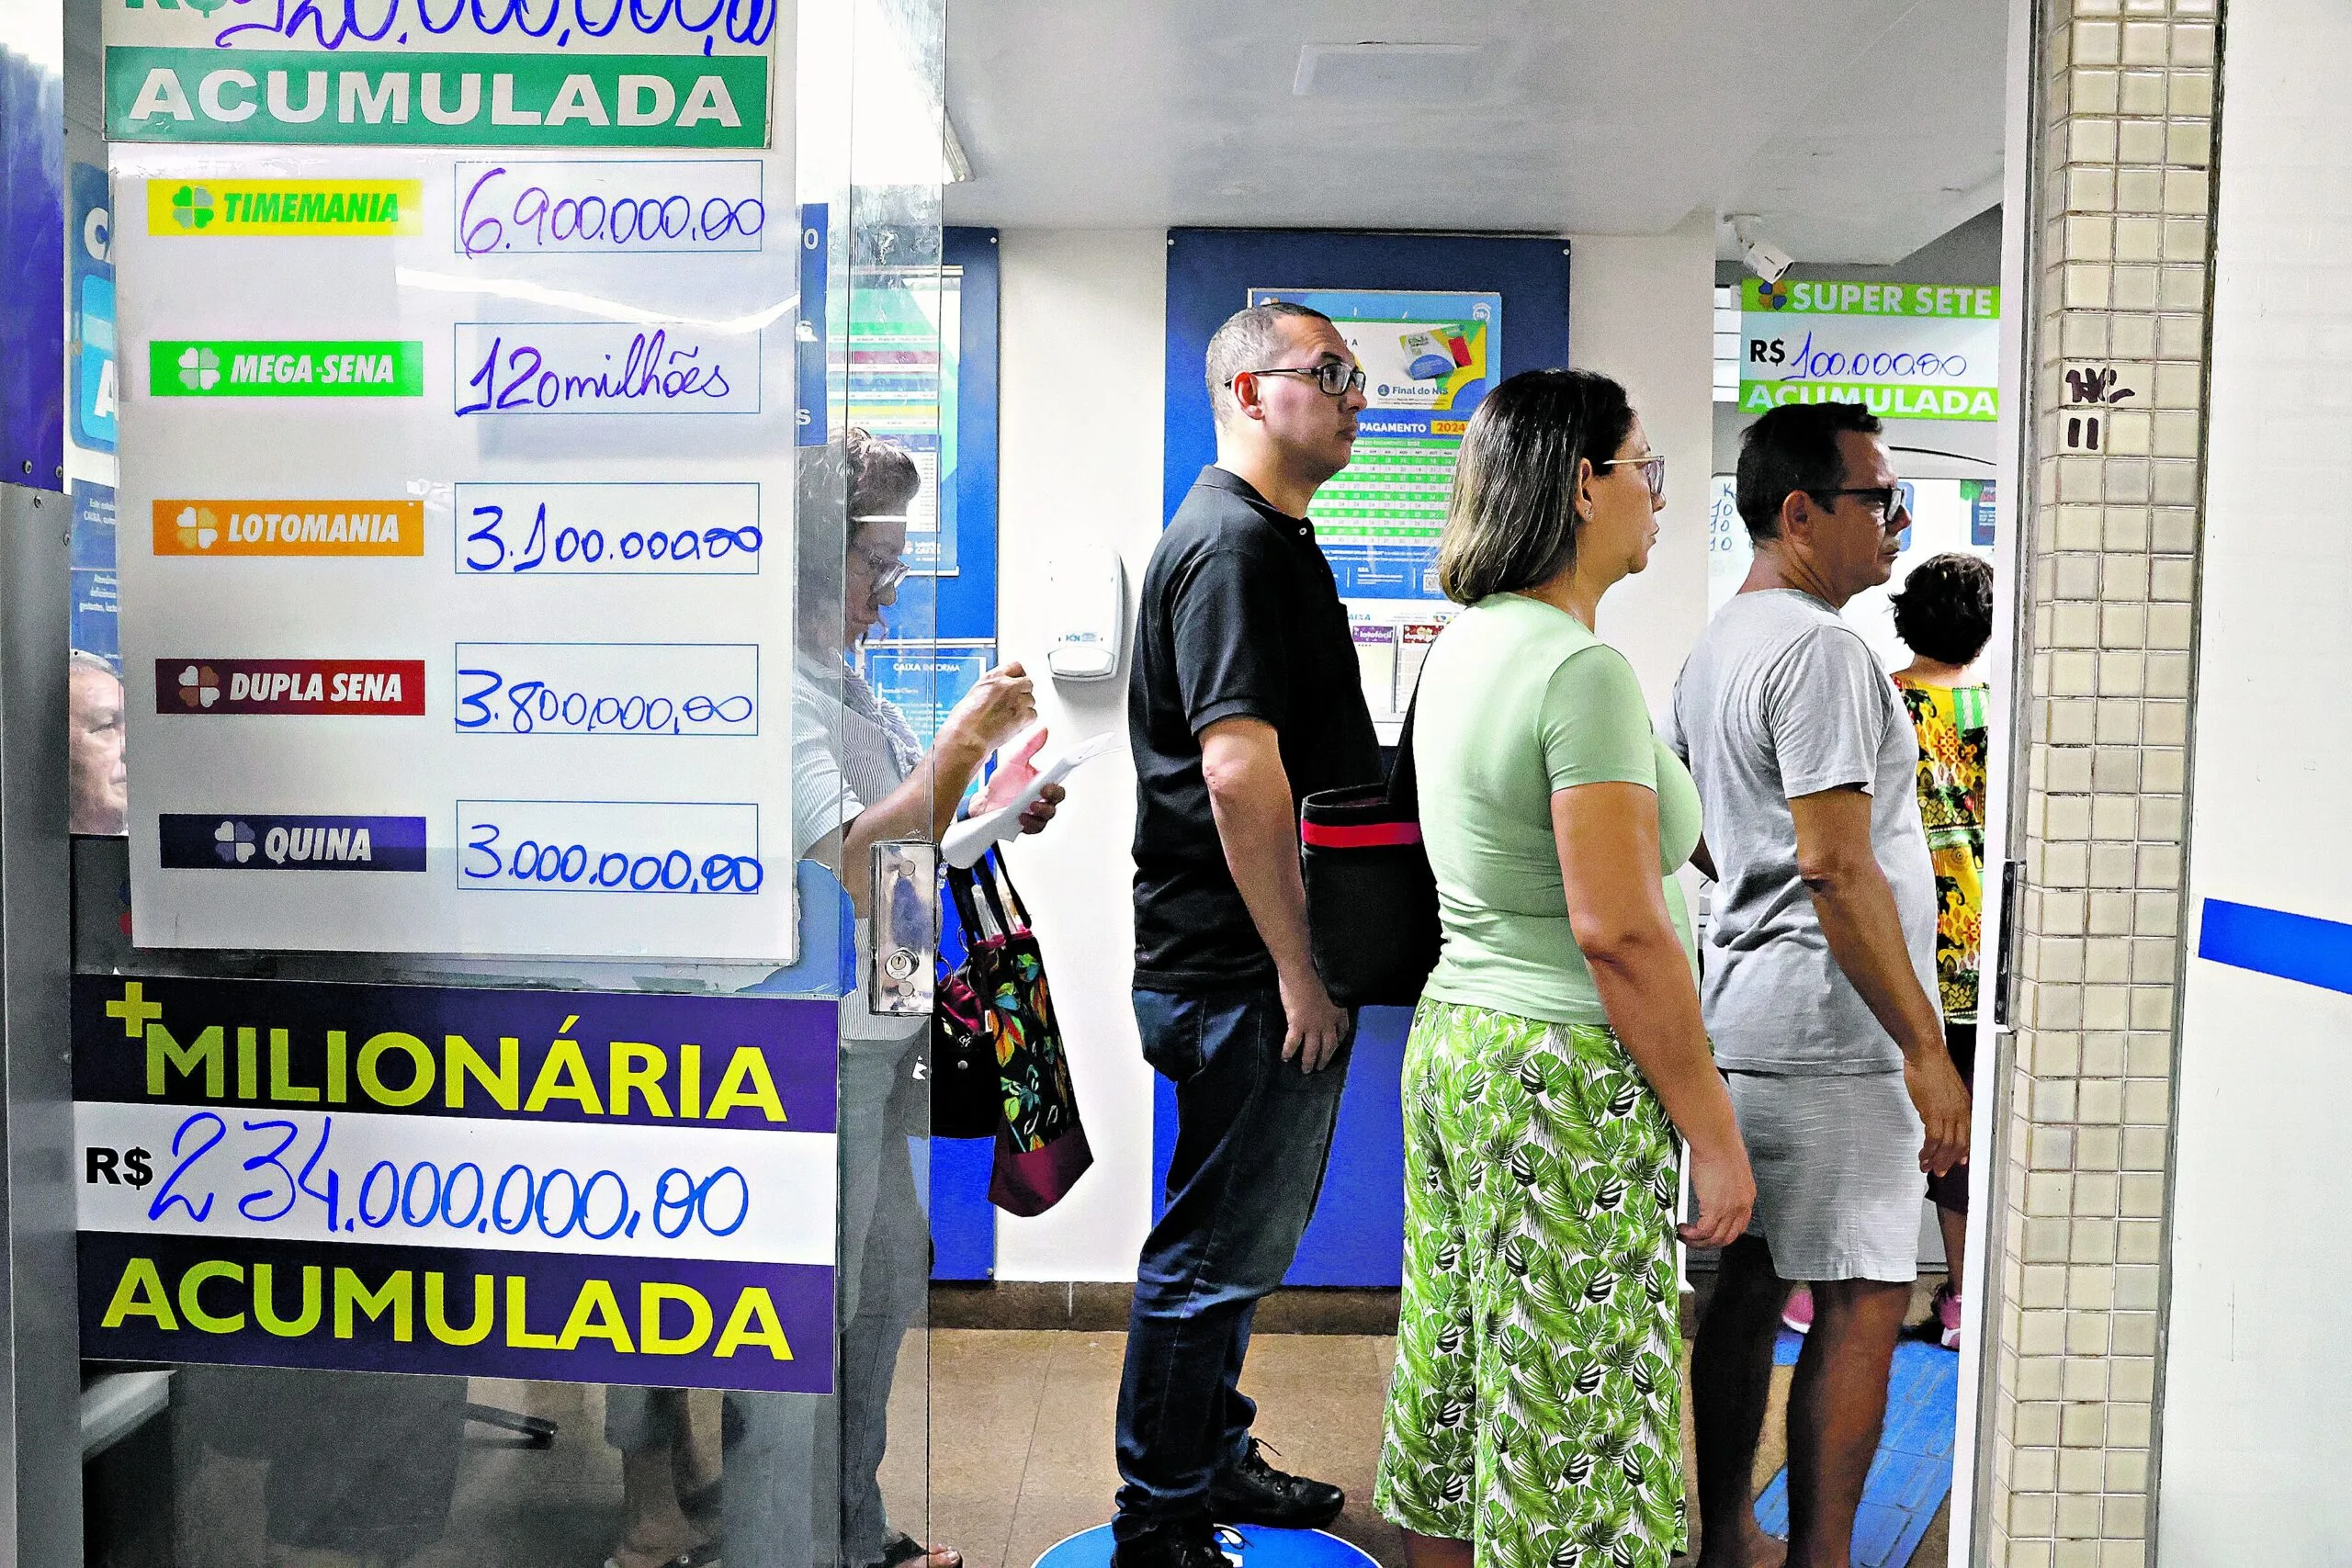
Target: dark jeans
x=1252, y=1137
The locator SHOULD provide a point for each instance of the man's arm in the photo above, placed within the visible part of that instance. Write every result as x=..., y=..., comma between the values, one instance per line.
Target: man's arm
x=1840, y=869
x=1241, y=762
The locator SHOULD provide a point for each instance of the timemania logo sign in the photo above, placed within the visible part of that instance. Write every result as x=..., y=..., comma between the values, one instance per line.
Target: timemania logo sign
x=248, y=841
x=366, y=687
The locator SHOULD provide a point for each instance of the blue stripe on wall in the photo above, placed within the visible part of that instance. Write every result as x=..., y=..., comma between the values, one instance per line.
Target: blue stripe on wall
x=2272, y=941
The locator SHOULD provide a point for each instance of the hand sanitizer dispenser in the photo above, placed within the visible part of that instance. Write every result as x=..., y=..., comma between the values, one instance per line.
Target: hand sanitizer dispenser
x=1086, y=594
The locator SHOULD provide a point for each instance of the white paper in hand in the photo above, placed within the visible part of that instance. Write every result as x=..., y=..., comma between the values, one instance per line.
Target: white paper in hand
x=968, y=840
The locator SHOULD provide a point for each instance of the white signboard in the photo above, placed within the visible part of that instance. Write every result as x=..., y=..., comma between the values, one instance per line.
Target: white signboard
x=1908, y=350
x=457, y=553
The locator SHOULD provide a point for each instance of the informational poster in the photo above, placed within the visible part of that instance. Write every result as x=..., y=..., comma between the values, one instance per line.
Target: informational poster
x=900, y=368
x=568, y=1187
x=457, y=512
x=1908, y=350
x=925, y=680
x=1426, y=359
x=96, y=377
x=1946, y=515
x=96, y=619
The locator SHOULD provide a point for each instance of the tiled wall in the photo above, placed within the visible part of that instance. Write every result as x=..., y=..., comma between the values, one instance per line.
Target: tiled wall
x=2124, y=112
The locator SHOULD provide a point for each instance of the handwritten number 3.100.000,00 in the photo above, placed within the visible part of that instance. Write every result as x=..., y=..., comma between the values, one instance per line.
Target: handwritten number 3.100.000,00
x=422, y=1197
x=488, y=550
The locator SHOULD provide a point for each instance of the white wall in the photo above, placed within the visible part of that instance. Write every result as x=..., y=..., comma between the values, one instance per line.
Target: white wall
x=2255, y=1444
x=1643, y=310
x=1079, y=459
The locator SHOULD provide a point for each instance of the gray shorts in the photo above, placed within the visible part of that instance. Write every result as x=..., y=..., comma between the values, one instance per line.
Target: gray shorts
x=1837, y=1179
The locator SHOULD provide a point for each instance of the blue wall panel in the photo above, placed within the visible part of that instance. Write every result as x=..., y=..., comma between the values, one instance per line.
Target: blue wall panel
x=1357, y=1235
x=963, y=1224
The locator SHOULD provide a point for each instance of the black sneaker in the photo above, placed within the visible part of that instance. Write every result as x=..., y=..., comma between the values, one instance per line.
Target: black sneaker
x=1255, y=1492
x=1191, y=1545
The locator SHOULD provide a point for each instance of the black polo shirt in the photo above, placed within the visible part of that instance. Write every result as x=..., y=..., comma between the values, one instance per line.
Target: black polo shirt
x=1240, y=618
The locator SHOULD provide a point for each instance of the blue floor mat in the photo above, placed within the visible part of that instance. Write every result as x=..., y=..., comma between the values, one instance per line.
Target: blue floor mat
x=1913, y=1470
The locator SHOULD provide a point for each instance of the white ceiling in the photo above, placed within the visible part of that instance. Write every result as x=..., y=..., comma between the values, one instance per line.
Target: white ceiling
x=1855, y=129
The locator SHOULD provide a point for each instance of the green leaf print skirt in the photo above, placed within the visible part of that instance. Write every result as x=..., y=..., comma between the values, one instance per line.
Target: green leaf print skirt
x=1536, y=1408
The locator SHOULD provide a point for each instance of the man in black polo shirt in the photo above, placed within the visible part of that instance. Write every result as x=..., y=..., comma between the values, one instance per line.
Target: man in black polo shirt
x=1243, y=699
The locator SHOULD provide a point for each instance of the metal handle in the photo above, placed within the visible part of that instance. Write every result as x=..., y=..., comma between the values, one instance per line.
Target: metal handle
x=905, y=928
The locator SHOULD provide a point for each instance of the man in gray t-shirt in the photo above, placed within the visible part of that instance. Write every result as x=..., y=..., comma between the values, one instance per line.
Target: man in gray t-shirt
x=1819, y=977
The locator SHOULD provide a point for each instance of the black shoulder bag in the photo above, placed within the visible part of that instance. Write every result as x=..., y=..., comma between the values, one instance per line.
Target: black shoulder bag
x=1372, y=918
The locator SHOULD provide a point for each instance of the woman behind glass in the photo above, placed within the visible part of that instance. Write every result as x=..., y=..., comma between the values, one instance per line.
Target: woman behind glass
x=862, y=777
x=1535, y=1412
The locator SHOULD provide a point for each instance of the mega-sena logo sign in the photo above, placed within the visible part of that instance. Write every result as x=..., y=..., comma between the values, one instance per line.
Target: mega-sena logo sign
x=285, y=368
x=348, y=686
x=290, y=528
x=225, y=208
x=209, y=841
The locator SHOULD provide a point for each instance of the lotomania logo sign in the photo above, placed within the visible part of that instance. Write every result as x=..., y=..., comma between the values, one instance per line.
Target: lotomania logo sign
x=470, y=100
x=355, y=686
x=1904, y=350
x=290, y=528
x=240, y=368
x=225, y=208
x=201, y=842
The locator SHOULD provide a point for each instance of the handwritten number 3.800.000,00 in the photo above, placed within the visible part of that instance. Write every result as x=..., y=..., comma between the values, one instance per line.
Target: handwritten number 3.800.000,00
x=465, y=1199
x=575, y=865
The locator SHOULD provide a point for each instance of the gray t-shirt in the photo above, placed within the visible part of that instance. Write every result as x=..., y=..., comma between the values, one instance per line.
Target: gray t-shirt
x=1781, y=698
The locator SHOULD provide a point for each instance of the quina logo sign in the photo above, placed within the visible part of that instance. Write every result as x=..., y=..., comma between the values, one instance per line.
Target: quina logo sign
x=246, y=841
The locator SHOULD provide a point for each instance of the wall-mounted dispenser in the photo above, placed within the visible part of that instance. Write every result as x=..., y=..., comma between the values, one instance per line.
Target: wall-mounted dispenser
x=1086, y=594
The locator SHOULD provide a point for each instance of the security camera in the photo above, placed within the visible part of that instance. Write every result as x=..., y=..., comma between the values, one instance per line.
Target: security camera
x=1762, y=257
x=1765, y=262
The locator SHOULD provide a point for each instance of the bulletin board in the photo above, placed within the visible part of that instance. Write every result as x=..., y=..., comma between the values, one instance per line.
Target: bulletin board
x=1357, y=1234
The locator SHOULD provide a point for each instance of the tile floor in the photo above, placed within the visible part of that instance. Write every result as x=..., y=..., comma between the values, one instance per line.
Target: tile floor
x=1020, y=1434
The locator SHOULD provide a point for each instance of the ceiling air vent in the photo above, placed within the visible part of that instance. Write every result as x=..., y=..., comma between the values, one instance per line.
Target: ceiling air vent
x=1405, y=73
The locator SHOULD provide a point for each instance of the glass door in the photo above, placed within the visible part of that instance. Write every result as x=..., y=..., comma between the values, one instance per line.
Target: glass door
x=495, y=1139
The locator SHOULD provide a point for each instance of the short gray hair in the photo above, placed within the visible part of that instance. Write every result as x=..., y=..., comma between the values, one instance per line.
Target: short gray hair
x=1243, y=343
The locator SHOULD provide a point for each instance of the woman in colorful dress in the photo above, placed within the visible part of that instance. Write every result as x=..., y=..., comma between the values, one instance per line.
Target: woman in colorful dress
x=1944, y=615
x=1535, y=1415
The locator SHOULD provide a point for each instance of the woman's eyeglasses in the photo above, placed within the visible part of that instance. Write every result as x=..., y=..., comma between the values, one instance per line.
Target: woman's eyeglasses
x=1333, y=378
x=1653, y=469
x=885, y=572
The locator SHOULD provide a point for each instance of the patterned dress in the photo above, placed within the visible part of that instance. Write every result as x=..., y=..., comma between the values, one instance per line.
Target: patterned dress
x=1952, y=727
x=1536, y=1409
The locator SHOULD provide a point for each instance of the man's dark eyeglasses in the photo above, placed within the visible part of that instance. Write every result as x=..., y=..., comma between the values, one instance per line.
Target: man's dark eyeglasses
x=1885, y=499
x=1334, y=379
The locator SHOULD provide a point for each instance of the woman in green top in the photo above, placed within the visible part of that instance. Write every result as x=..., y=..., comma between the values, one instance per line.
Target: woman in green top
x=1536, y=1415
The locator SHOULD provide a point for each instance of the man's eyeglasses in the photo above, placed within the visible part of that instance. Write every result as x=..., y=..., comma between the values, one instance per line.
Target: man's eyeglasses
x=1653, y=469
x=1333, y=378
x=1884, y=502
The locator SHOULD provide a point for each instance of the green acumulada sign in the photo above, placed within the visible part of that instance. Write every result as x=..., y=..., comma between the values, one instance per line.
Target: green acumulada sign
x=397, y=99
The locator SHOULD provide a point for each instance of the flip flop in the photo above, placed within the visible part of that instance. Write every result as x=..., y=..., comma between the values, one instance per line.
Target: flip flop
x=703, y=1554
x=903, y=1549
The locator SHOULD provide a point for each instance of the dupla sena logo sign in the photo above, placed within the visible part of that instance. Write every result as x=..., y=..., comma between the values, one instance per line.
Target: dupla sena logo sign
x=1906, y=350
